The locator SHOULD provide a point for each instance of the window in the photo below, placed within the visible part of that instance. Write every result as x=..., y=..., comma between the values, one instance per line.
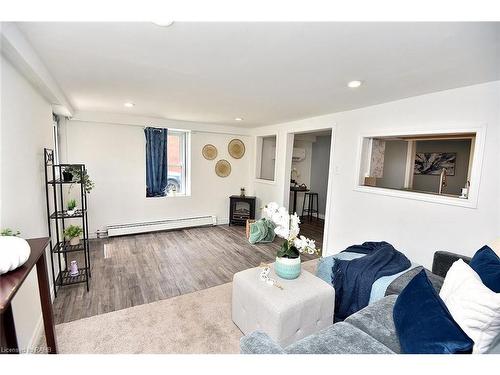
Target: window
x=177, y=176
x=436, y=164
x=55, y=135
x=266, y=157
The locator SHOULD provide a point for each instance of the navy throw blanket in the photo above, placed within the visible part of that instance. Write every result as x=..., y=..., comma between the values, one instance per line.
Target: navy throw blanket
x=353, y=279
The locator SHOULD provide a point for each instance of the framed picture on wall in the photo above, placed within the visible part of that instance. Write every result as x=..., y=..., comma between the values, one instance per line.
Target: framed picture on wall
x=432, y=163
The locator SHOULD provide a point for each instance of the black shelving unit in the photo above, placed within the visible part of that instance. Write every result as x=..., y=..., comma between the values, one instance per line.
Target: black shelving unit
x=57, y=218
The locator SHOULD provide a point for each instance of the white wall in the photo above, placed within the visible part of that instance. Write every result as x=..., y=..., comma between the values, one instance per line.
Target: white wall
x=394, y=167
x=115, y=159
x=303, y=167
x=319, y=168
x=416, y=227
x=26, y=128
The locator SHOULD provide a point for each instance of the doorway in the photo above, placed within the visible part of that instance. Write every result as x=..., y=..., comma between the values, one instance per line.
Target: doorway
x=309, y=181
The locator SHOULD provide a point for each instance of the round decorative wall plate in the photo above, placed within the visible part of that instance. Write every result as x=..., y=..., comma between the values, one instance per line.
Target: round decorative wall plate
x=236, y=148
x=223, y=168
x=209, y=152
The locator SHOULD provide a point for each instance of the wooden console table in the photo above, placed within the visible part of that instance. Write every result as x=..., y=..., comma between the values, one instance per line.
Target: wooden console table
x=10, y=283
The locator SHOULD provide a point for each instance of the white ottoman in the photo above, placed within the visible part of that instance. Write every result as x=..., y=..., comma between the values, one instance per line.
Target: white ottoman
x=304, y=306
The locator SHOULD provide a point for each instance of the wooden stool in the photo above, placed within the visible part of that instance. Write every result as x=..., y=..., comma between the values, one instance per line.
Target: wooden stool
x=310, y=210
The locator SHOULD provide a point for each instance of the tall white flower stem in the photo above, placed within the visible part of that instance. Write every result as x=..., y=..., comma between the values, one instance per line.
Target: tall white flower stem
x=287, y=227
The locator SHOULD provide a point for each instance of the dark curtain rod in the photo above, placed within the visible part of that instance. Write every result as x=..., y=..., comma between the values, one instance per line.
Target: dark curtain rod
x=155, y=129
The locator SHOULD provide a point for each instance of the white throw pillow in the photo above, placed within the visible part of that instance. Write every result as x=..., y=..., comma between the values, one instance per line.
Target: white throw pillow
x=475, y=307
x=14, y=252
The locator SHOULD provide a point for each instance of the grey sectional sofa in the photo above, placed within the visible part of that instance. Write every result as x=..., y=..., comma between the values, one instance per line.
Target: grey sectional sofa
x=369, y=331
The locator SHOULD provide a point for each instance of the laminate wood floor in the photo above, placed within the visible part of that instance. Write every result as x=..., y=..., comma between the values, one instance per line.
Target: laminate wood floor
x=313, y=229
x=133, y=270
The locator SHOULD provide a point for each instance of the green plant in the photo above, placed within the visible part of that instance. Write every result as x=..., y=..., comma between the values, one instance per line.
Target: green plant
x=71, y=204
x=73, y=231
x=288, y=250
x=9, y=232
x=76, y=171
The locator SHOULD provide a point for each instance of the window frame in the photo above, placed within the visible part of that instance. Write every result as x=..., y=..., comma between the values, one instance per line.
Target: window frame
x=185, y=145
x=55, y=135
x=475, y=168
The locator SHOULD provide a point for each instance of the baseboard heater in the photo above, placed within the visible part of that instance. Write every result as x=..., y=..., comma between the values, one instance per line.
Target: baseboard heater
x=153, y=226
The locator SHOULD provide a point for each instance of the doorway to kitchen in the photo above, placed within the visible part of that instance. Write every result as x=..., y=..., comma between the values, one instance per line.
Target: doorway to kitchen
x=309, y=177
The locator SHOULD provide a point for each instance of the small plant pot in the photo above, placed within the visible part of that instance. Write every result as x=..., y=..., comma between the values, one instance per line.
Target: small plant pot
x=74, y=241
x=287, y=268
x=67, y=176
x=71, y=212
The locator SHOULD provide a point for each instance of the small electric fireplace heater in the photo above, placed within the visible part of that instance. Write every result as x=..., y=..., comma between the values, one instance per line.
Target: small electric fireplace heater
x=241, y=209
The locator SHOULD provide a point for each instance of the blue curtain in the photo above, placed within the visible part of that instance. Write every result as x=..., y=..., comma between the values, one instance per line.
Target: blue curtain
x=156, y=161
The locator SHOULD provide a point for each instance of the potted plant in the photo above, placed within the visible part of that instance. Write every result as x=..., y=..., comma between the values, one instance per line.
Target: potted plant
x=7, y=232
x=71, y=206
x=288, y=262
x=80, y=177
x=73, y=233
x=67, y=174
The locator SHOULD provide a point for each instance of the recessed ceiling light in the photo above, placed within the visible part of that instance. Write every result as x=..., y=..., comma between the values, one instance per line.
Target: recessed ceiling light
x=128, y=104
x=238, y=119
x=354, y=84
x=163, y=23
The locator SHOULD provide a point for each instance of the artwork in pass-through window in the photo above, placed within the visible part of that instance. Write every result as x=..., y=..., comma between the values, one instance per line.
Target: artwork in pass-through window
x=434, y=162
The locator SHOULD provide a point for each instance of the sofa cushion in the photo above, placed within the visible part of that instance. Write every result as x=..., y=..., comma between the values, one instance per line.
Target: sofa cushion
x=423, y=323
x=397, y=286
x=340, y=338
x=376, y=320
x=487, y=265
x=259, y=342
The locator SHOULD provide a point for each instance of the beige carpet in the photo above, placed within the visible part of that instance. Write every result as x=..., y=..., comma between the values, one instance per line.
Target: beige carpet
x=198, y=322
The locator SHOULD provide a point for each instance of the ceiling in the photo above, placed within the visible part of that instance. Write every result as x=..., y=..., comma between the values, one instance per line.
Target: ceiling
x=265, y=73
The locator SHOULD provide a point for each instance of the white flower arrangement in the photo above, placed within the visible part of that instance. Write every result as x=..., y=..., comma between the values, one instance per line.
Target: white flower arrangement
x=287, y=227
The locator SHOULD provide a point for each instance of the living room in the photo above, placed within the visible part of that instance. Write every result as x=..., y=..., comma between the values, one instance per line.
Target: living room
x=185, y=166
